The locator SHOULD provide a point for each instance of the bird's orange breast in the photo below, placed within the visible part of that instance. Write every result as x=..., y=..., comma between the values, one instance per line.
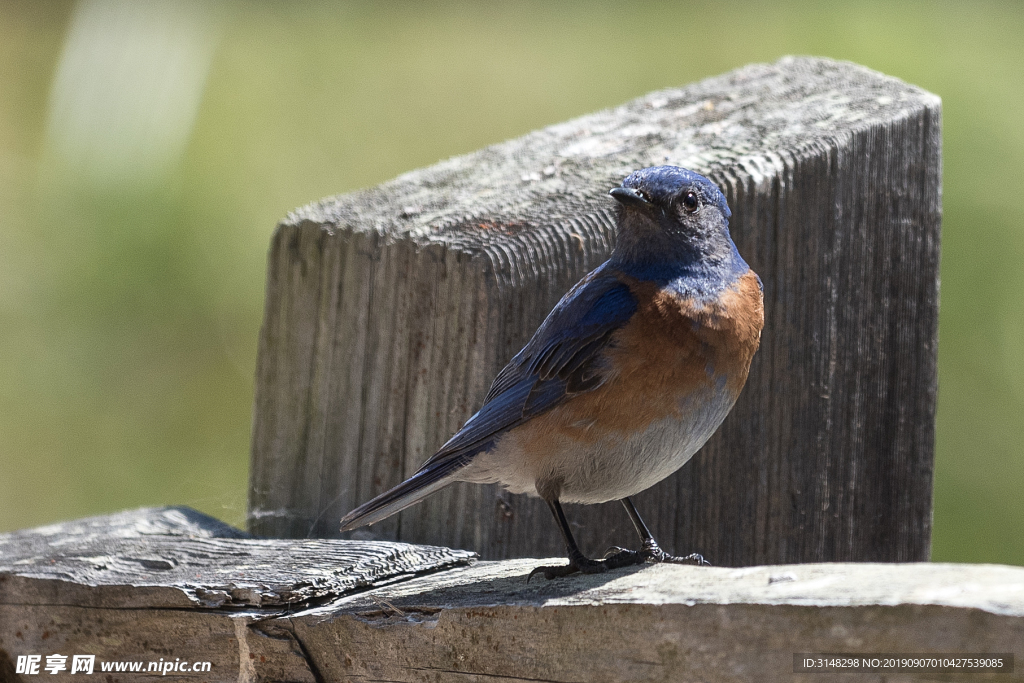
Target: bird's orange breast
x=673, y=347
x=674, y=362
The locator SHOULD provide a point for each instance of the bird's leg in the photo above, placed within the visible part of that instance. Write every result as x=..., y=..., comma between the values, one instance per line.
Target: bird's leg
x=578, y=562
x=651, y=551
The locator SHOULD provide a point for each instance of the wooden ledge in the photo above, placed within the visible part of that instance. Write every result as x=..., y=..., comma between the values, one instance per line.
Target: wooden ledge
x=997, y=589
x=172, y=583
x=660, y=622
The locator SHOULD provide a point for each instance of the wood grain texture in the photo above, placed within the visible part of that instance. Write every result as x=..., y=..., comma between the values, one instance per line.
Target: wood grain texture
x=662, y=622
x=483, y=621
x=390, y=310
x=179, y=558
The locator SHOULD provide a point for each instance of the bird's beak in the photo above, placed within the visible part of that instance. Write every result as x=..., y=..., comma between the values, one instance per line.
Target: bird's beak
x=631, y=198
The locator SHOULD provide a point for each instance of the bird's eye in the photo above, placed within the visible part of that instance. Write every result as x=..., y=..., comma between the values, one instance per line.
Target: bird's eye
x=690, y=201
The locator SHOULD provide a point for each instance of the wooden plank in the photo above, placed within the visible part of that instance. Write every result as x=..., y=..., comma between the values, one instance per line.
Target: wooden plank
x=662, y=622
x=482, y=621
x=147, y=636
x=390, y=310
x=179, y=558
x=160, y=585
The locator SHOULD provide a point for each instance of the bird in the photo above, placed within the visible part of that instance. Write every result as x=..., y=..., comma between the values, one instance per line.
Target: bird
x=629, y=375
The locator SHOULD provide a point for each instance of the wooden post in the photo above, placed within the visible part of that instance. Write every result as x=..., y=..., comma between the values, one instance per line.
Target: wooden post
x=390, y=310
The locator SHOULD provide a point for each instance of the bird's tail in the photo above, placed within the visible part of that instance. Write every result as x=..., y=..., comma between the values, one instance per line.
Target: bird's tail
x=409, y=492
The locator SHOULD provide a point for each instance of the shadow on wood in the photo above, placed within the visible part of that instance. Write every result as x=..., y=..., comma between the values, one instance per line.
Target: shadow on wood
x=390, y=310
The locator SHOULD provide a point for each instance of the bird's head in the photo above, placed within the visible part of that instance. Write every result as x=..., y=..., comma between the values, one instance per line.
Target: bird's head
x=671, y=214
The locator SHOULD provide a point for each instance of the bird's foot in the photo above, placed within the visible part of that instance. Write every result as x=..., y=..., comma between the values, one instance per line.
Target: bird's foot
x=616, y=557
x=580, y=564
x=651, y=552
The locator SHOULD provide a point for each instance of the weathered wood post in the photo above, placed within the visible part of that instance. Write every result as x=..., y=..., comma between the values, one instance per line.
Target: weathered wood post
x=389, y=311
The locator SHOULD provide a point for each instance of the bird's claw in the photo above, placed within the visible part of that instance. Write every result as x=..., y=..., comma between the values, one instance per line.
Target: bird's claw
x=651, y=552
x=695, y=559
x=582, y=565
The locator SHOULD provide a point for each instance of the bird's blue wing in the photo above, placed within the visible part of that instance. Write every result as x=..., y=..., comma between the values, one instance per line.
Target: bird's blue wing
x=561, y=360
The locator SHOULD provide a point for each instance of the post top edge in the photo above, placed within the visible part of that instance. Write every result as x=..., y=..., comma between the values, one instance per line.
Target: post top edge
x=758, y=111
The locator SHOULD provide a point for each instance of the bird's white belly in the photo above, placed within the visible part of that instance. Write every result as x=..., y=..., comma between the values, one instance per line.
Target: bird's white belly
x=608, y=465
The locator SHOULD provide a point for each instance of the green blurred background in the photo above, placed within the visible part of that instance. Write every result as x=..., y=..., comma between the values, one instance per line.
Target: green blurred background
x=148, y=149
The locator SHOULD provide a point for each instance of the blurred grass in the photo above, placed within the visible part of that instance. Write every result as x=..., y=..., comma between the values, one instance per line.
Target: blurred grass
x=129, y=313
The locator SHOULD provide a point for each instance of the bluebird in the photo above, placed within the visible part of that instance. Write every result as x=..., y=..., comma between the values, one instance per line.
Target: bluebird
x=628, y=376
